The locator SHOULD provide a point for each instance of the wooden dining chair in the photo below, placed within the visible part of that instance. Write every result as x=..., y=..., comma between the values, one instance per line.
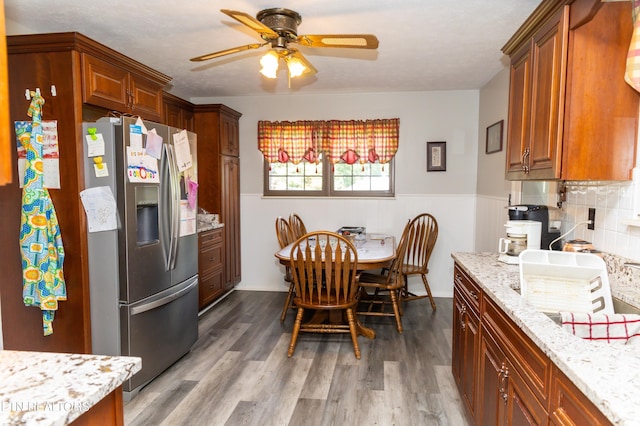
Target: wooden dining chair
x=297, y=225
x=422, y=234
x=285, y=237
x=324, y=267
x=387, y=287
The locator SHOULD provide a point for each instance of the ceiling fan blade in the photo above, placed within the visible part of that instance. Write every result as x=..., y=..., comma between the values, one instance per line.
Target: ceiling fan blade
x=227, y=52
x=355, y=41
x=251, y=22
x=295, y=54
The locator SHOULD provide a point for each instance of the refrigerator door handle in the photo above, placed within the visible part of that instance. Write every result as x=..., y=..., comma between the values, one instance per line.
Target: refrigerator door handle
x=187, y=286
x=174, y=180
x=165, y=210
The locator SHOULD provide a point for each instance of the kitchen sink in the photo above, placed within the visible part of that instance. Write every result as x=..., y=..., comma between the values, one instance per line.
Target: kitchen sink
x=619, y=307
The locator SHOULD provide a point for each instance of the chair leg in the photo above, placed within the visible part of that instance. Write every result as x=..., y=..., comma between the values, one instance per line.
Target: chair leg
x=294, y=333
x=287, y=302
x=426, y=286
x=396, y=309
x=354, y=332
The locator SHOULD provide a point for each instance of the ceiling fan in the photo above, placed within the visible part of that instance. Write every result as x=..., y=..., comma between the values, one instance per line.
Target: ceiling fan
x=278, y=27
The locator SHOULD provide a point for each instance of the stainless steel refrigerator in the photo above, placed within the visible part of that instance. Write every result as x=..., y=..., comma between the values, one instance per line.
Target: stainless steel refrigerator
x=144, y=274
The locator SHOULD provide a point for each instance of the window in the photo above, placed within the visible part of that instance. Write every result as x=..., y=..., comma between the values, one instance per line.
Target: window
x=345, y=180
x=335, y=158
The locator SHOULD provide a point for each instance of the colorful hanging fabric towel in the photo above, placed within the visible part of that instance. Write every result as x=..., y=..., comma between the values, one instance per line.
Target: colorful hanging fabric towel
x=632, y=72
x=41, y=246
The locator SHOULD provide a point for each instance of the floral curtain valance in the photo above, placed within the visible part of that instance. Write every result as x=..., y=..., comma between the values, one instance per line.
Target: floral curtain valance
x=348, y=141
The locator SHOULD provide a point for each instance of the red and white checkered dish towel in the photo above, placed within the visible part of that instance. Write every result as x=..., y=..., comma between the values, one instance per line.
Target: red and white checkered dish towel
x=610, y=328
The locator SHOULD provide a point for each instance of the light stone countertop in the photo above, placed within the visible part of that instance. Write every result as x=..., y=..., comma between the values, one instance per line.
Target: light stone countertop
x=202, y=227
x=45, y=388
x=609, y=375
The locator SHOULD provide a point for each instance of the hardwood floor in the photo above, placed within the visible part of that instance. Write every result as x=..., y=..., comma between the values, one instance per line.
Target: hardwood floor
x=238, y=372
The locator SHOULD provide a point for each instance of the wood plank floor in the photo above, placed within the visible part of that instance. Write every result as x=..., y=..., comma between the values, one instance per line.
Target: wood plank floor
x=238, y=372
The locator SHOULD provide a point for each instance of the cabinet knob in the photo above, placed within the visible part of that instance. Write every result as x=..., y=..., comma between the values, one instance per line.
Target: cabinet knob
x=473, y=294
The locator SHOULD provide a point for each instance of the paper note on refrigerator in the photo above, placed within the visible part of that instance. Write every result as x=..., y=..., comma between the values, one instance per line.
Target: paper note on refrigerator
x=100, y=207
x=154, y=144
x=187, y=219
x=135, y=138
x=95, y=147
x=182, y=150
x=141, y=167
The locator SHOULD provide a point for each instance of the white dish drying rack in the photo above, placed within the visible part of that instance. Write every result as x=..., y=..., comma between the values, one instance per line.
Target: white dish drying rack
x=556, y=281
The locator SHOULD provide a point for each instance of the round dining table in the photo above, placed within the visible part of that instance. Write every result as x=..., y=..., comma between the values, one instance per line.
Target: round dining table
x=375, y=251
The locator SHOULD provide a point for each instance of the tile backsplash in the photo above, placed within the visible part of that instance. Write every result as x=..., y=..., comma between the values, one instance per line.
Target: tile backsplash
x=613, y=202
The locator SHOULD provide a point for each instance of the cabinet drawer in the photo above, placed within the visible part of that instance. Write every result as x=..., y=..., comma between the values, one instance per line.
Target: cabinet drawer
x=467, y=287
x=211, y=237
x=210, y=258
x=532, y=364
x=211, y=286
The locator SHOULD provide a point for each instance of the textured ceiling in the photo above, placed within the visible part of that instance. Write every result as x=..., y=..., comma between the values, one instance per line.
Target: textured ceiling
x=424, y=44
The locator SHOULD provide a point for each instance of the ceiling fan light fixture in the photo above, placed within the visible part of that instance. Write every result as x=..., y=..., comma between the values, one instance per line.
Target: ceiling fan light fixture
x=269, y=63
x=295, y=65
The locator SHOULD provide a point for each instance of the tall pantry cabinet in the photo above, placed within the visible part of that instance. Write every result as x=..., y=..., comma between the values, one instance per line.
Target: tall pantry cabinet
x=219, y=182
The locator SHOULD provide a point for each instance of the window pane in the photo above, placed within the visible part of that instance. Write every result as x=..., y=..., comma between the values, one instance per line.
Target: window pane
x=341, y=183
x=342, y=180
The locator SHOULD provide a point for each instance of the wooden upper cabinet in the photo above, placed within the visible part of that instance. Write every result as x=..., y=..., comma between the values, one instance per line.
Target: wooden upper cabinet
x=229, y=135
x=178, y=112
x=113, y=87
x=571, y=114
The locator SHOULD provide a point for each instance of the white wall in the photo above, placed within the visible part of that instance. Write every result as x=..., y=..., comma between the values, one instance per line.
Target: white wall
x=428, y=116
x=492, y=188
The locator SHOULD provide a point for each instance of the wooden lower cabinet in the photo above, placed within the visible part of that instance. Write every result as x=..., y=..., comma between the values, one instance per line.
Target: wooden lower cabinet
x=502, y=376
x=503, y=396
x=569, y=406
x=210, y=266
x=466, y=338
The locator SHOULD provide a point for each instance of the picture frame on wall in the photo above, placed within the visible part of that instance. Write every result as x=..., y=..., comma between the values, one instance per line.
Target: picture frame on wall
x=494, y=137
x=436, y=156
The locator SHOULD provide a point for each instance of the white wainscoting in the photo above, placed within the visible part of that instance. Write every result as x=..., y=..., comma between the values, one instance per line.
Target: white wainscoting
x=491, y=215
x=456, y=216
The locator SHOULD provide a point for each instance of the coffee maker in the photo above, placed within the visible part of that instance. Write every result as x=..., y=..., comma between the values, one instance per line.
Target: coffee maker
x=539, y=214
x=521, y=235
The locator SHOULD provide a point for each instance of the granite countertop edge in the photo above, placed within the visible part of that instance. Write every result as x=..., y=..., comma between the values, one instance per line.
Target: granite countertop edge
x=209, y=227
x=608, y=375
x=46, y=388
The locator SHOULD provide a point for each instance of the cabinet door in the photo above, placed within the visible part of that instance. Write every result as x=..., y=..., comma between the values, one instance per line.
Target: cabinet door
x=569, y=406
x=146, y=97
x=172, y=115
x=536, y=100
x=229, y=136
x=518, y=126
x=104, y=84
x=522, y=406
x=230, y=212
x=549, y=56
x=465, y=347
x=492, y=396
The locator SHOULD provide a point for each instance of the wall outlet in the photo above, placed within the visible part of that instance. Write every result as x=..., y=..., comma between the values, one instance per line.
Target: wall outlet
x=592, y=218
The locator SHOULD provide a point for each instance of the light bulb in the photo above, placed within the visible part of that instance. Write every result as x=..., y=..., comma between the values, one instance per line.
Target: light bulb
x=269, y=64
x=296, y=67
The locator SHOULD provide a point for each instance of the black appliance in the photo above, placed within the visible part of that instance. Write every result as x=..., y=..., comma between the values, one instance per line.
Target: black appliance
x=539, y=214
